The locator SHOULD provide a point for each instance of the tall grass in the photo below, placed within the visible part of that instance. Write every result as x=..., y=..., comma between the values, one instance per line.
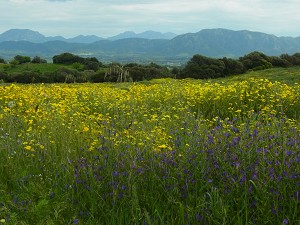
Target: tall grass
x=166, y=152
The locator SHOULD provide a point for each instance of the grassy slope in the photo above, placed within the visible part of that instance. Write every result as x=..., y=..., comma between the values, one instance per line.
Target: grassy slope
x=284, y=75
x=49, y=67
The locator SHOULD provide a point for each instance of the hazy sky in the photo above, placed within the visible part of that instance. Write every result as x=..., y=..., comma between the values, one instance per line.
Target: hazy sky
x=110, y=17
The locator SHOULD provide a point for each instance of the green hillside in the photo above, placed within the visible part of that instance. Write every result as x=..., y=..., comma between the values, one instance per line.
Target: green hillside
x=289, y=75
x=45, y=67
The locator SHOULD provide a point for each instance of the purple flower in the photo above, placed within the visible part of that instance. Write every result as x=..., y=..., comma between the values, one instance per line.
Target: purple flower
x=76, y=221
x=199, y=217
x=285, y=221
x=115, y=173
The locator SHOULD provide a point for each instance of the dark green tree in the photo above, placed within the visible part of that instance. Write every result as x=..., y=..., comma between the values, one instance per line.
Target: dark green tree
x=2, y=61
x=233, y=67
x=67, y=59
x=256, y=61
x=202, y=67
x=98, y=77
x=38, y=60
x=279, y=62
x=91, y=65
x=4, y=77
x=22, y=59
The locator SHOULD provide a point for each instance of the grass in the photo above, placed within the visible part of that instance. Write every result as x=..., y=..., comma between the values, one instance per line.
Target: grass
x=47, y=67
x=289, y=75
x=162, y=152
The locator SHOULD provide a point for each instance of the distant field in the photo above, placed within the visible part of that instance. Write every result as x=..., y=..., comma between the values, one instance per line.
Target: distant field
x=164, y=151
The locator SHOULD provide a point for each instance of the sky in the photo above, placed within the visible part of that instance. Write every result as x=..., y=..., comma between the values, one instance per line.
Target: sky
x=107, y=18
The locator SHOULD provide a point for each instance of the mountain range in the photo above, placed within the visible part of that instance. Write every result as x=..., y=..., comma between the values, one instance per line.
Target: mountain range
x=36, y=37
x=149, y=45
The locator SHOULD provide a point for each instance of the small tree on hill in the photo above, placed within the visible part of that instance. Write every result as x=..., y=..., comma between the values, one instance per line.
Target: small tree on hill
x=67, y=59
x=2, y=61
x=202, y=67
x=22, y=59
x=256, y=61
x=38, y=60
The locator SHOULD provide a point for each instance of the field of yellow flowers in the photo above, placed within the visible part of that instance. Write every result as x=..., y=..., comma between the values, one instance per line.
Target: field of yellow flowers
x=159, y=152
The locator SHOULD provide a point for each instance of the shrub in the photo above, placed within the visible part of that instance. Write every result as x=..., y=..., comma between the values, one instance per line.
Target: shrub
x=256, y=61
x=38, y=60
x=22, y=59
x=2, y=61
x=203, y=67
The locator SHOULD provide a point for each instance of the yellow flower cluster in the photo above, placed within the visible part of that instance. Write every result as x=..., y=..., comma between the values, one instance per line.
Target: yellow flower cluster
x=145, y=115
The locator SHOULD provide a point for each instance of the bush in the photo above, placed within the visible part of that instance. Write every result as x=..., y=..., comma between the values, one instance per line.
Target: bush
x=78, y=66
x=146, y=72
x=26, y=77
x=3, y=76
x=256, y=61
x=14, y=62
x=67, y=59
x=22, y=59
x=38, y=60
x=279, y=62
x=91, y=65
x=97, y=77
x=203, y=67
x=233, y=67
x=2, y=61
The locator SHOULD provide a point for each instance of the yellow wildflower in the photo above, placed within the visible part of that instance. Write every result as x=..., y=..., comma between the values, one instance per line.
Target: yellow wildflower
x=85, y=129
x=28, y=148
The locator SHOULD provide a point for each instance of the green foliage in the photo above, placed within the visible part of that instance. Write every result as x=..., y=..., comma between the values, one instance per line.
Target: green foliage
x=147, y=72
x=38, y=60
x=98, y=77
x=3, y=76
x=292, y=59
x=279, y=62
x=68, y=59
x=2, y=61
x=14, y=62
x=233, y=66
x=26, y=77
x=256, y=61
x=78, y=69
x=92, y=65
x=290, y=75
x=78, y=66
x=22, y=59
x=202, y=67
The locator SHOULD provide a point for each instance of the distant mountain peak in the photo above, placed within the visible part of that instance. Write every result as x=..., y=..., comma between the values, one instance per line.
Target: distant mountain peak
x=22, y=35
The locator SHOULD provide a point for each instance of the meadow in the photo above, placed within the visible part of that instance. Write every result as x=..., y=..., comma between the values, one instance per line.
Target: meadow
x=163, y=151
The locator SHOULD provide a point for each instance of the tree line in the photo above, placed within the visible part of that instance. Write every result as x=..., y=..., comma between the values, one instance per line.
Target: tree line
x=73, y=68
